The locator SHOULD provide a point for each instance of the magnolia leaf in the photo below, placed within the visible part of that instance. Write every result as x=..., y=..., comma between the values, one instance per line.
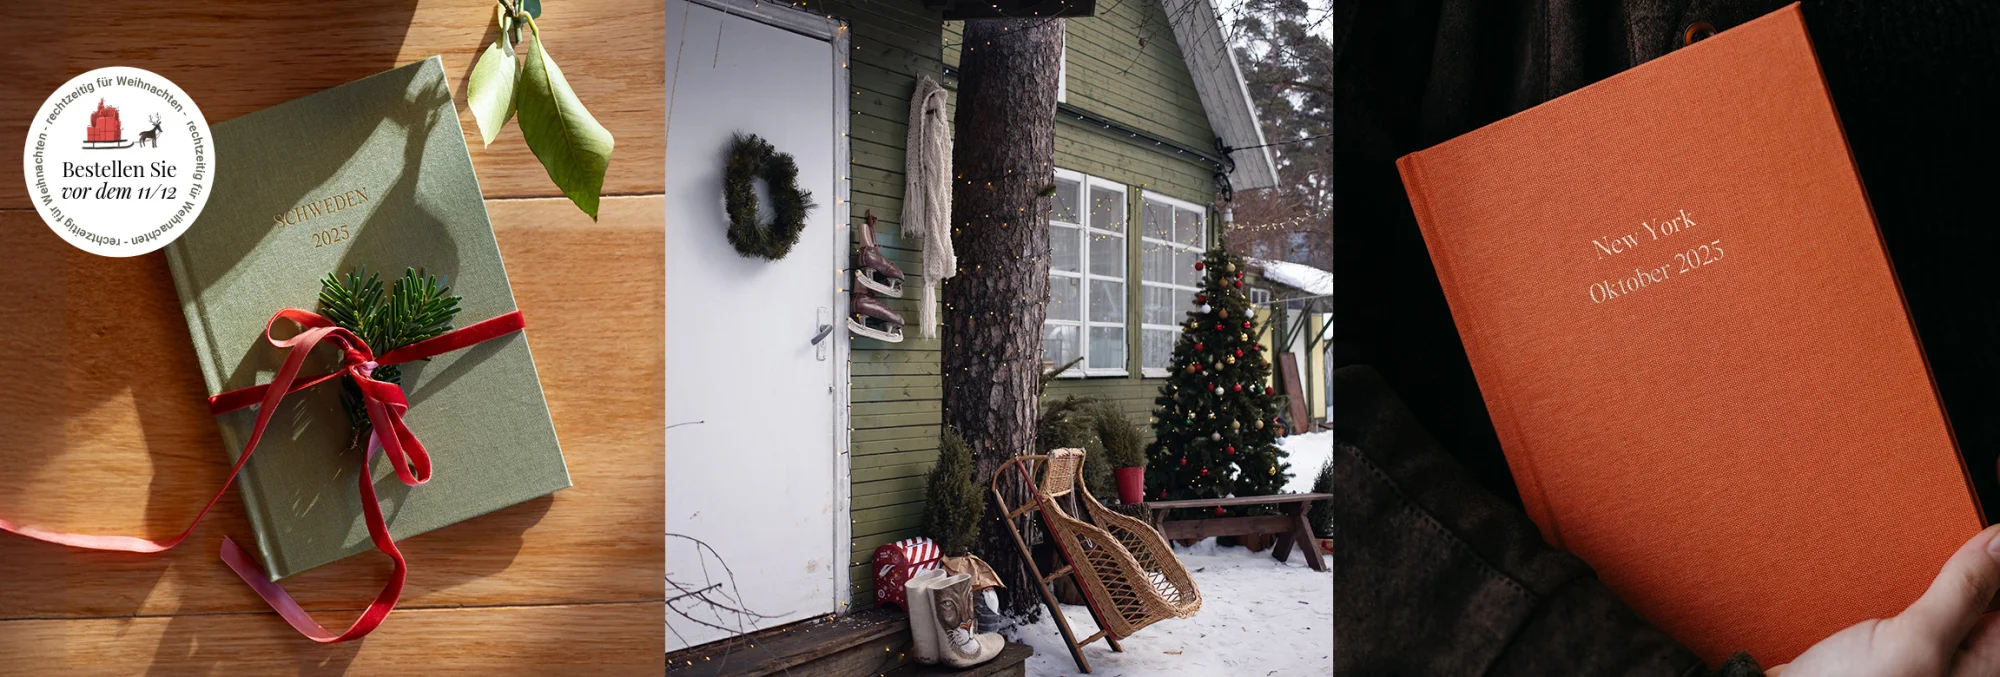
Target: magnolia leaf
x=490, y=94
x=532, y=7
x=564, y=136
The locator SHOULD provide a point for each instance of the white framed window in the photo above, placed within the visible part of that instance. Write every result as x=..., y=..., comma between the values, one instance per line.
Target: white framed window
x=1086, y=315
x=1173, y=234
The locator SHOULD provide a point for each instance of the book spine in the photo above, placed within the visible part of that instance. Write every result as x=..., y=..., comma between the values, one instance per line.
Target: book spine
x=204, y=351
x=1498, y=406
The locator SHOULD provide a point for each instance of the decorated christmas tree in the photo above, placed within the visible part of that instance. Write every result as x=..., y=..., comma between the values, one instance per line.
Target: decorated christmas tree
x=1214, y=421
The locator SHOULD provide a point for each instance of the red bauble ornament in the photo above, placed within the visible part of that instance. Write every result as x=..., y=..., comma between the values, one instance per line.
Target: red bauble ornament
x=1268, y=390
x=1197, y=265
x=1198, y=348
x=1218, y=510
x=1229, y=449
x=1236, y=388
x=1204, y=472
x=1239, y=275
x=1239, y=352
x=1196, y=367
x=1246, y=324
x=1218, y=326
x=1239, y=284
x=1254, y=346
x=1199, y=298
x=1183, y=460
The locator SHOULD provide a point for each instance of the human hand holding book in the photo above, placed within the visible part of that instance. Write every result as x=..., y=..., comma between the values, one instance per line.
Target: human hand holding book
x=1947, y=631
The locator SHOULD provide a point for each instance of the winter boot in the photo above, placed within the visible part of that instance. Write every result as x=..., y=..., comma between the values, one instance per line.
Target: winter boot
x=990, y=620
x=960, y=644
x=872, y=269
x=923, y=626
x=872, y=319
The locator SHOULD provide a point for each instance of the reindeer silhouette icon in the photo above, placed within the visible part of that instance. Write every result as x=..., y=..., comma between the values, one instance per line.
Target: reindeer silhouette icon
x=151, y=135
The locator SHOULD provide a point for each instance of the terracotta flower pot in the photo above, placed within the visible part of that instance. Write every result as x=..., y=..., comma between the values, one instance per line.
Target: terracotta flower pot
x=1131, y=484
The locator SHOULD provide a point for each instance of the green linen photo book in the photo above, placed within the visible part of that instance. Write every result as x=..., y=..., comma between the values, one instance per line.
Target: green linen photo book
x=372, y=173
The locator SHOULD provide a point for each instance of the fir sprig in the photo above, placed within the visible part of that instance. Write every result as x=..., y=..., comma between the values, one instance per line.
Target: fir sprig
x=416, y=307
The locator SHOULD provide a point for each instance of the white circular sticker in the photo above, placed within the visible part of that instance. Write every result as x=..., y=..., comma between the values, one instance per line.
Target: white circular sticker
x=119, y=161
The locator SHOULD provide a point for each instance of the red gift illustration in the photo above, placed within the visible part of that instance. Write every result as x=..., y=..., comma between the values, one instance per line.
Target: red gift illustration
x=896, y=562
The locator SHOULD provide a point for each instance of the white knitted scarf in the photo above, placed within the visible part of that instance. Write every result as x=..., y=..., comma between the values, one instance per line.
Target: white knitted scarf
x=927, y=194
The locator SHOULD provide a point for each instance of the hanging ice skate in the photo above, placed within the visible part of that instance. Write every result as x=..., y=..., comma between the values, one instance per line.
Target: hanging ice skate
x=872, y=269
x=868, y=317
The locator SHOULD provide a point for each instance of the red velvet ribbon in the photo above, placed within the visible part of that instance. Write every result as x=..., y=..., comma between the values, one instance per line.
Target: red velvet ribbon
x=385, y=404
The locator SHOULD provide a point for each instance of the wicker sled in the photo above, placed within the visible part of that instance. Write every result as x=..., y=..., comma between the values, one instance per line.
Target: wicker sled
x=1125, y=569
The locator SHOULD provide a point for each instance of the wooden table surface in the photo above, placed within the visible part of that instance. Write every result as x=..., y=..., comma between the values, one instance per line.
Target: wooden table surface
x=103, y=426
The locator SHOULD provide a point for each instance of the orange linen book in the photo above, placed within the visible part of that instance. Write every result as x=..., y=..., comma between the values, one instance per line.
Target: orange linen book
x=1675, y=300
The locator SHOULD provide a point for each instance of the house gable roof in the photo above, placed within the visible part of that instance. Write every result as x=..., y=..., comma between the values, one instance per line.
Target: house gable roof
x=1224, y=95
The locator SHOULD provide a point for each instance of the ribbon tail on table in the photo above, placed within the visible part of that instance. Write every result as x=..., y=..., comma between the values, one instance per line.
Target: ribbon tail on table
x=282, y=602
x=300, y=345
x=385, y=404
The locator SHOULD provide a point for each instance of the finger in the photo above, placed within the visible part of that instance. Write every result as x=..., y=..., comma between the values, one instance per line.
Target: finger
x=1961, y=592
x=1980, y=656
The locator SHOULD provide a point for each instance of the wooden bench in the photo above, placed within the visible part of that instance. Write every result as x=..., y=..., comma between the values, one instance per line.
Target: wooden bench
x=1290, y=524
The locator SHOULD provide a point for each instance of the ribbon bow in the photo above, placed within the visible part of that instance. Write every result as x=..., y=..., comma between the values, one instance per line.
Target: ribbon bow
x=385, y=404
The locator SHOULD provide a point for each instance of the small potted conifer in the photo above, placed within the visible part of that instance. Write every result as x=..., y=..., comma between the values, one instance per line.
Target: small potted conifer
x=1124, y=450
x=1321, y=514
x=952, y=501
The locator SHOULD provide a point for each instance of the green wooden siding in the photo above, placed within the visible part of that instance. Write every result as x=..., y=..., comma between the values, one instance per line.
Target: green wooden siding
x=896, y=391
x=1123, y=65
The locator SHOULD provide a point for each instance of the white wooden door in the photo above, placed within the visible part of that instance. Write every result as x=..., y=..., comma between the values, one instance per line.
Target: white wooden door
x=756, y=409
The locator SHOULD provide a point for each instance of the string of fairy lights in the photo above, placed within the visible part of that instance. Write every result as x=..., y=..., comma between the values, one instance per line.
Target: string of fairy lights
x=1282, y=225
x=989, y=360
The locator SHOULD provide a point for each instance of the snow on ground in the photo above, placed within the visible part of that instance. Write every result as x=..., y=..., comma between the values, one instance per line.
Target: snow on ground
x=1259, y=618
x=1307, y=454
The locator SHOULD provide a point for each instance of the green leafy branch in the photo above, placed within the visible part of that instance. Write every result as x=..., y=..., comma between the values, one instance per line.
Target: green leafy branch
x=562, y=133
x=416, y=307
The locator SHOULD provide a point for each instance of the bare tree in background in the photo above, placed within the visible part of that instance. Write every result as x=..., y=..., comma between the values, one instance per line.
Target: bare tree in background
x=1287, y=61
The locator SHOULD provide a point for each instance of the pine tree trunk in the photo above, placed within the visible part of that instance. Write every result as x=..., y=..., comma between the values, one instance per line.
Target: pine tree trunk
x=991, y=338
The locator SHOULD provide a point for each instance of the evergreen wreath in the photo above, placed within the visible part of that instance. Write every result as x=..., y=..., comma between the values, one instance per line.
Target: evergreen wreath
x=751, y=157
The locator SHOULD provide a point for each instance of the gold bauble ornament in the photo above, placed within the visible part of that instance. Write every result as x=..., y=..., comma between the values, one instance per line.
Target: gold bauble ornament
x=1241, y=337
x=1231, y=359
x=1232, y=267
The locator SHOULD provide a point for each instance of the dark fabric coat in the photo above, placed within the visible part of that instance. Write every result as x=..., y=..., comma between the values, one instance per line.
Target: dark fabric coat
x=1435, y=576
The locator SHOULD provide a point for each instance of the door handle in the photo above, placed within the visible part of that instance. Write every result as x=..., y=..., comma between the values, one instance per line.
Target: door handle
x=822, y=349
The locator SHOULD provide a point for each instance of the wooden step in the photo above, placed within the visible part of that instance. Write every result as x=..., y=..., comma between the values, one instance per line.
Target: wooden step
x=862, y=644
x=1012, y=662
